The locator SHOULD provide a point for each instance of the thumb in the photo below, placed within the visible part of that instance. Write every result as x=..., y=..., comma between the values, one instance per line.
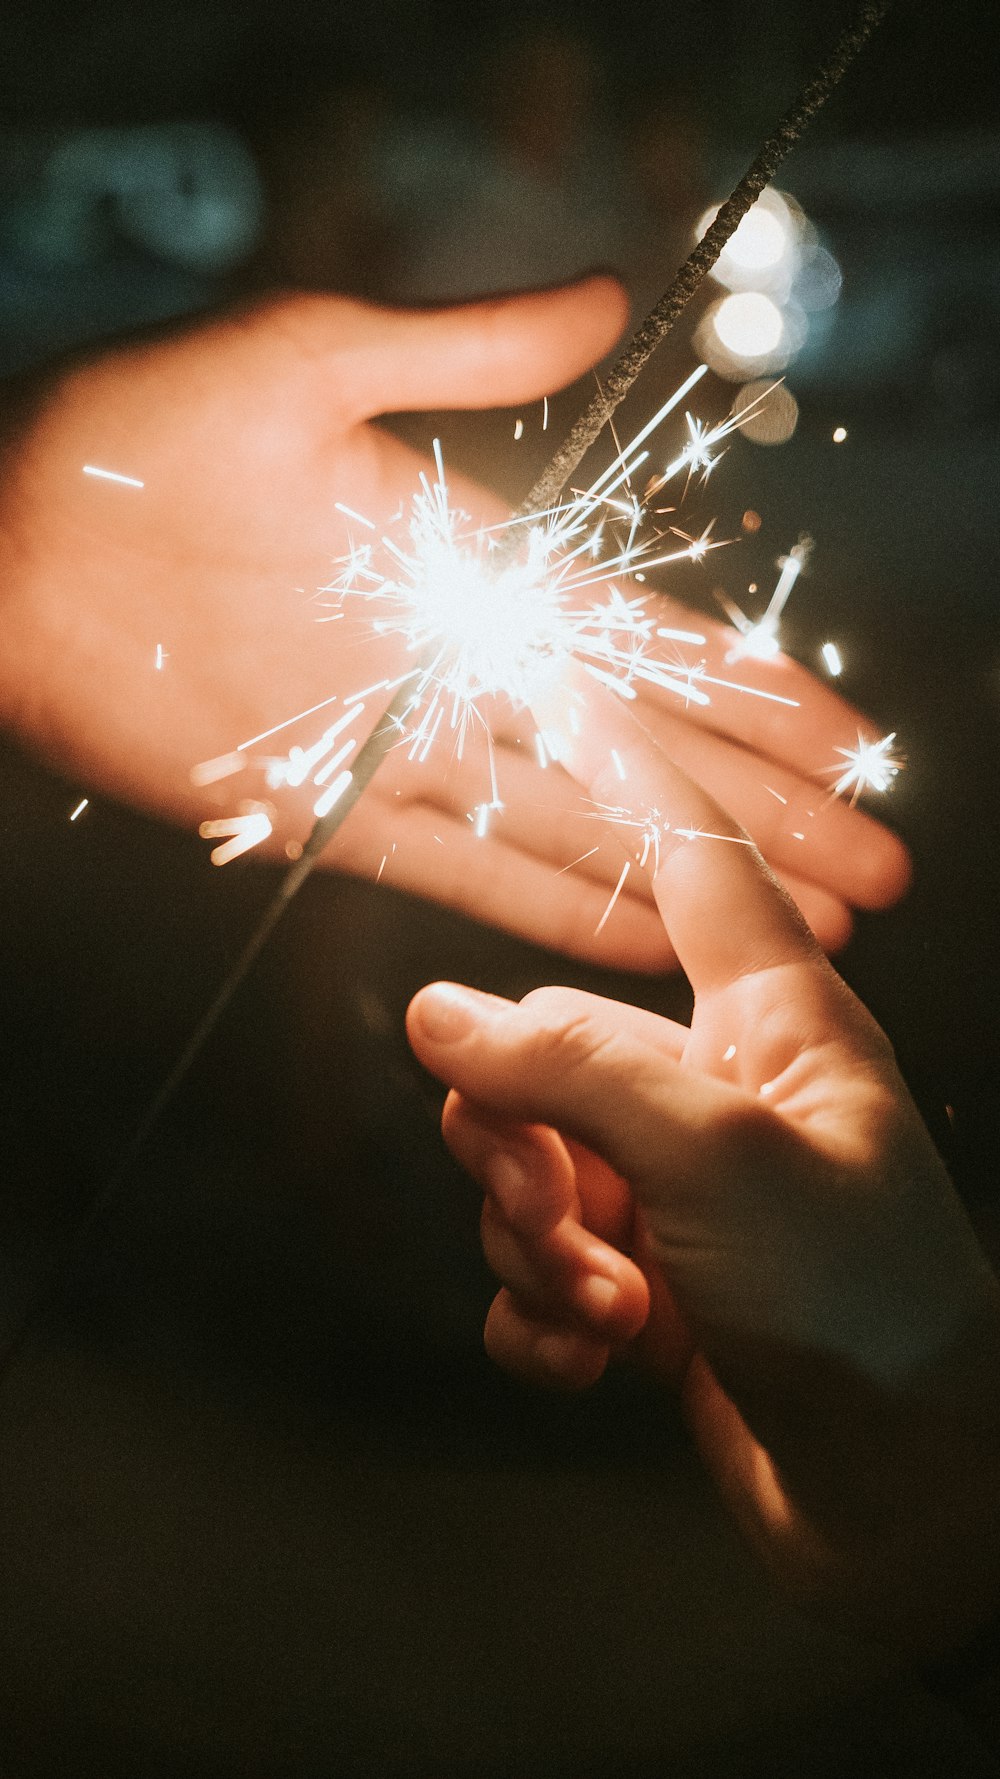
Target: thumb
x=479, y=355
x=586, y=1066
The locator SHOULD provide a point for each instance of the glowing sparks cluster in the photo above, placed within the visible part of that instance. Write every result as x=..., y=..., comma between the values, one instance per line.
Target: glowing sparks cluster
x=480, y=614
x=871, y=766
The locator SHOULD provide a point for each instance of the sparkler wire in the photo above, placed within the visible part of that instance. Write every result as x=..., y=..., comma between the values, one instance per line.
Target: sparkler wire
x=543, y=495
x=662, y=317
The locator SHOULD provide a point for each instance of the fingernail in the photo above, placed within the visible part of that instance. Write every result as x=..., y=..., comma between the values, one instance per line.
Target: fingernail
x=448, y=1012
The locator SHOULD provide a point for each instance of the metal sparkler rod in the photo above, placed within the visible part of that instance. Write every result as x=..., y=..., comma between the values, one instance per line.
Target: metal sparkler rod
x=661, y=319
x=365, y=766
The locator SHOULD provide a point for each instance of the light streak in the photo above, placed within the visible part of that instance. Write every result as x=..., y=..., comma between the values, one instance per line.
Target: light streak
x=831, y=656
x=578, y=861
x=112, y=475
x=223, y=766
x=706, y=834
x=616, y=892
x=325, y=803
x=246, y=831
x=78, y=811
x=759, y=639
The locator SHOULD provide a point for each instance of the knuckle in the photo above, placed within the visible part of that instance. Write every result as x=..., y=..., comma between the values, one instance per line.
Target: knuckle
x=564, y=1027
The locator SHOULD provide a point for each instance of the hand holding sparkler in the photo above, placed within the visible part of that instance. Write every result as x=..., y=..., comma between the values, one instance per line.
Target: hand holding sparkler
x=754, y=1207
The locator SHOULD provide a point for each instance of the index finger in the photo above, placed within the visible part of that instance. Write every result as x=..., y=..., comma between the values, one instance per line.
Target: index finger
x=725, y=913
x=773, y=705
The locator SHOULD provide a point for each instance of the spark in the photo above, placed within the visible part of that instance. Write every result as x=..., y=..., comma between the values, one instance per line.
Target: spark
x=112, y=475
x=78, y=811
x=579, y=861
x=706, y=834
x=161, y=657
x=697, y=456
x=246, y=830
x=325, y=803
x=831, y=656
x=616, y=892
x=223, y=766
x=871, y=766
x=759, y=639
x=350, y=513
x=839, y=434
x=649, y=827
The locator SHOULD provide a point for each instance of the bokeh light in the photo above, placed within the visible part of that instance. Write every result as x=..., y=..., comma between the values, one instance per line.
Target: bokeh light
x=775, y=420
x=763, y=246
x=749, y=324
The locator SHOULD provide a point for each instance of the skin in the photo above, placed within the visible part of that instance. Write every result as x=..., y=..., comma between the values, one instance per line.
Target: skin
x=245, y=429
x=753, y=1209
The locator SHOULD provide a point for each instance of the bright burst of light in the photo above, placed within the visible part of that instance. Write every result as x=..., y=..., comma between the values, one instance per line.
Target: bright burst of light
x=871, y=766
x=481, y=614
x=832, y=659
x=699, y=454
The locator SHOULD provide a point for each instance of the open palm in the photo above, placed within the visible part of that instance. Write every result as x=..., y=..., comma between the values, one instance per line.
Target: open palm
x=245, y=433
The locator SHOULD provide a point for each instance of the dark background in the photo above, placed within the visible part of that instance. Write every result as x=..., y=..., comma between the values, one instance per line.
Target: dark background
x=264, y=1509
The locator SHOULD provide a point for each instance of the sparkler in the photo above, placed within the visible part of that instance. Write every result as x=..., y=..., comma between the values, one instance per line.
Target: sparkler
x=543, y=498
x=612, y=640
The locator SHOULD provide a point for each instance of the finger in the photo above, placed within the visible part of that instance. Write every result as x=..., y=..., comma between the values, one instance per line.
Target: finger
x=544, y=815
x=541, y=1352
x=480, y=355
x=533, y=1234
x=441, y=858
x=524, y=1168
x=569, y=1277
x=775, y=706
x=565, y=1059
x=797, y=827
x=726, y=915
x=828, y=917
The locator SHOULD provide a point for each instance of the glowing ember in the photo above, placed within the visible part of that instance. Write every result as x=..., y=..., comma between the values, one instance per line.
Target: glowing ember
x=870, y=767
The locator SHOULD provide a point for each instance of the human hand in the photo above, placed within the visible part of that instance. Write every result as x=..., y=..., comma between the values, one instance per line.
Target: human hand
x=753, y=1208
x=245, y=431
